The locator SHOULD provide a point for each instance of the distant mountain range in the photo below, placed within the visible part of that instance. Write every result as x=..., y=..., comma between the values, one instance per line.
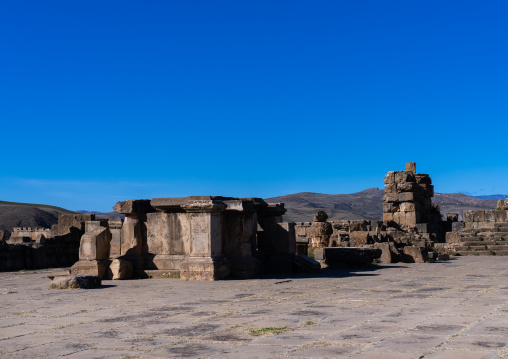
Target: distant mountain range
x=493, y=196
x=367, y=204
x=302, y=207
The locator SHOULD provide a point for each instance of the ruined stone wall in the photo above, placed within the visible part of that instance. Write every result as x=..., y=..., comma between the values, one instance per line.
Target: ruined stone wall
x=407, y=200
x=32, y=233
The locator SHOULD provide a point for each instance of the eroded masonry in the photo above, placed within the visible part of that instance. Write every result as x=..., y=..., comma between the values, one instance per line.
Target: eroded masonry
x=211, y=238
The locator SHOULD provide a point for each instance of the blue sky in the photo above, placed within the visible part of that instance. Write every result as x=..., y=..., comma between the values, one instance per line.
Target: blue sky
x=102, y=101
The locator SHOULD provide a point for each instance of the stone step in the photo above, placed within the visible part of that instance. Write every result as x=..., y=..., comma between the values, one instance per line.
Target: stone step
x=502, y=229
x=482, y=247
x=485, y=243
x=483, y=253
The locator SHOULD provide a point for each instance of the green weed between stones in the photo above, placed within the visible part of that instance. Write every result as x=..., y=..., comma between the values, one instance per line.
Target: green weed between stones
x=267, y=331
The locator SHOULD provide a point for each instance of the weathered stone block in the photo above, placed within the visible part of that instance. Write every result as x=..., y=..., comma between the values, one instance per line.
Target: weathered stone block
x=502, y=204
x=453, y=237
x=390, y=188
x=452, y=217
x=133, y=206
x=358, y=239
x=457, y=226
x=468, y=216
x=66, y=222
x=478, y=216
x=407, y=197
x=411, y=167
x=97, y=268
x=413, y=254
x=404, y=176
x=407, y=207
x=391, y=197
x=423, y=178
x=40, y=239
x=199, y=268
x=490, y=216
x=500, y=216
x=95, y=244
x=75, y=282
x=390, y=177
x=120, y=269
x=407, y=187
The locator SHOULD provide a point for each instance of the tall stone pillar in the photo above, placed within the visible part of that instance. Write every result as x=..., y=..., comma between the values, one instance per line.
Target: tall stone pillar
x=133, y=232
x=203, y=221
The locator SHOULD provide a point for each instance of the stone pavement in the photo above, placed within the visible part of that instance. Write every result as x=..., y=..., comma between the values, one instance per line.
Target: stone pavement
x=454, y=309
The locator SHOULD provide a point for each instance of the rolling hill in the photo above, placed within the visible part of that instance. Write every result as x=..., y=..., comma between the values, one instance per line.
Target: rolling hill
x=14, y=214
x=367, y=204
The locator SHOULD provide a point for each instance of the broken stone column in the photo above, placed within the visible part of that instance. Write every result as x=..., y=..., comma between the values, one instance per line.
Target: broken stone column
x=276, y=239
x=93, y=253
x=133, y=235
x=321, y=231
x=240, y=223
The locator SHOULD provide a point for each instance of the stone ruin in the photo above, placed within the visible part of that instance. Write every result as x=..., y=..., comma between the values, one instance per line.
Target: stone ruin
x=33, y=248
x=211, y=237
x=410, y=227
x=194, y=238
x=480, y=233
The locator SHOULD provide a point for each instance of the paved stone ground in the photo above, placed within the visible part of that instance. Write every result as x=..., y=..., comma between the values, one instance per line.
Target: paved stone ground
x=455, y=309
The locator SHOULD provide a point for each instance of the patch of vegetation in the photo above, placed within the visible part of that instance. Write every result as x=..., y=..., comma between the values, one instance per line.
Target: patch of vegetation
x=476, y=253
x=267, y=331
x=310, y=252
x=309, y=322
x=480, y=239
x=171, y=276
x=492, y=253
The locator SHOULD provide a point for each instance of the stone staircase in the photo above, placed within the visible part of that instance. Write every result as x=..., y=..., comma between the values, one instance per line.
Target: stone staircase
x=480, y=241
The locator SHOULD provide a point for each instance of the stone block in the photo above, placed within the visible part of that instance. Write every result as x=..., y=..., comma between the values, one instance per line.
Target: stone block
x=490, y=216
x=40, y=239
x=75, y=282
x=349, y=256
x=68, y=222
x=478, y=216
x=422, y=178
x=407, y=187
x=411, y=167
x=407, y=207
x=389, y=253
x=500, y=216
x=422, y=227
x=390, y=177
x=502, y=204
x=468, y=216
x=95, y=245
x=390, y=188
x=413, y=254
x=359, y=238
x=388, y=217
x=407, y=197
x=457, y=226
x=391, y=197
x=443, y=257
x=427, y=190
x=3, y=237
x=120, y=269
x=452, y=217
x=199, y=268
x=97, y=268
x=404, y=176
x=169, y=234
x=133, y=206
x=453, y=237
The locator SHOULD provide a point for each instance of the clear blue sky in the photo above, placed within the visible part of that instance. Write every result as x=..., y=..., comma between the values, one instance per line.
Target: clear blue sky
x=102, y=101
